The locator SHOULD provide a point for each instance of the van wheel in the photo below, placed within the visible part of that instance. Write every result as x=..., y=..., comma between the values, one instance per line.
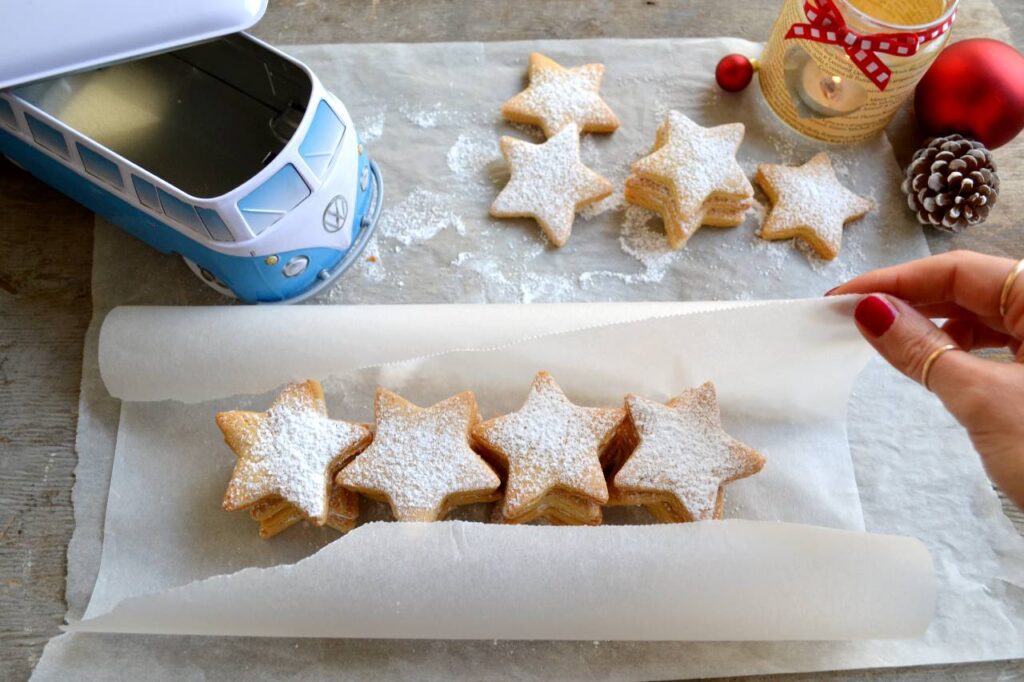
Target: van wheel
x=209, y=279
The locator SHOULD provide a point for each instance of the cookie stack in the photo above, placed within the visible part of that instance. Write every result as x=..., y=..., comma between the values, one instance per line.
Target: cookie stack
x=275, y=514
x=691, y=178
x=552, y=452
x=286, y=461
x=678, y=459
x=420, y=462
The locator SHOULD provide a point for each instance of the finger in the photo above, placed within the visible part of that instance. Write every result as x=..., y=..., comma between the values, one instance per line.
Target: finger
x=946, y=311
x=972, y=334
x=972, y=281
x=906, y=339
x=951, y=311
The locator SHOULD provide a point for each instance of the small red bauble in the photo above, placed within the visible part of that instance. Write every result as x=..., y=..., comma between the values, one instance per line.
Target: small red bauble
x=975, y=88
x=734, y=72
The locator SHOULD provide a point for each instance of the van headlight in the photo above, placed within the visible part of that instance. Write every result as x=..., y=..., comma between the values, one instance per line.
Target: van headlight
x=295, y=266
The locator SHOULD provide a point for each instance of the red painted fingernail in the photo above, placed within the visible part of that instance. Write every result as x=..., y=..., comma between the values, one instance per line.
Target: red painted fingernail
x=875, y=314
x=832, y=290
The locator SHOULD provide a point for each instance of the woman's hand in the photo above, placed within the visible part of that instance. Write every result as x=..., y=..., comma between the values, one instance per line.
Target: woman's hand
x=966, y=289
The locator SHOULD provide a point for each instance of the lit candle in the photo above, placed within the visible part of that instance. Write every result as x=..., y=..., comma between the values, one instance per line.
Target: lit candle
x=827, y=94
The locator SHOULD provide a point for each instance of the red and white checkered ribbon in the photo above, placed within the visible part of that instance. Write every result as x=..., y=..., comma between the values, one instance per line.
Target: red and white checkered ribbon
x=828, y=26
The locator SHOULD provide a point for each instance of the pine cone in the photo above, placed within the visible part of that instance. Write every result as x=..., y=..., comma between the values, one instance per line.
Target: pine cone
x=951, y=183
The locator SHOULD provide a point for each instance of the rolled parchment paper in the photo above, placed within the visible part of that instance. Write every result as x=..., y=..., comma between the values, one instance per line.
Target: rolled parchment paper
x=202, y=353
x=783, y=371
x=718, y=580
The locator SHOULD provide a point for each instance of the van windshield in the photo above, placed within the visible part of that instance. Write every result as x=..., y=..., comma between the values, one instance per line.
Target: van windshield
x=204, y=118
x=269, y=202
x=322, y=140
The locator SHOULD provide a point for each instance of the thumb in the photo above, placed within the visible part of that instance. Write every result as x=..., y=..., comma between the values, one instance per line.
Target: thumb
x=907, y=339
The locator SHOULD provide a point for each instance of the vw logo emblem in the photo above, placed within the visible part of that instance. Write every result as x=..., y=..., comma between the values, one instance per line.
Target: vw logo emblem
x=335, y=214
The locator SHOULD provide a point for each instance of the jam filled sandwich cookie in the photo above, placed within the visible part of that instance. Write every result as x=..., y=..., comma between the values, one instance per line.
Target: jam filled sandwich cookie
x=558, y=96
x=552, y=450
x=548, y=183
x=287, y=458
x=691, y=178
x=420, y=461
x=809, y=203
x=678, y=459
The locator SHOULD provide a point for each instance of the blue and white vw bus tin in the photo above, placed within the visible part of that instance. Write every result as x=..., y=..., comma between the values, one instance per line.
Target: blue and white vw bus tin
x=214, y=146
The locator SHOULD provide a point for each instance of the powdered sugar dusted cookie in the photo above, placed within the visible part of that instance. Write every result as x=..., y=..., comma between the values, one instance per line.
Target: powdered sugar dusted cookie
x=691, y=178
x=558, y=96
x=420, y=461
x=275, y=515
x=557, y=509
x=552, y=450
x=682, y=457
x=810, y=204
x=289, y=453
x=679, y=228
x=548, y=183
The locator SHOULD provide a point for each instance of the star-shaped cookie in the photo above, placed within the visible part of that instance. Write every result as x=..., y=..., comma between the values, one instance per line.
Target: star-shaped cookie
x=290, y=452
x=274, y=515
x=679, y=228
x=683, y=458
x=558, y=96
x=420, y=461
x=550, y=446
x=809, y=203
x=696, y=163
x=549, y=183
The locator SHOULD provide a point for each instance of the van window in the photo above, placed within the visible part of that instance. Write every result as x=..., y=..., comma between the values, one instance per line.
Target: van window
x=322, y=139
x=47, y=136
x=100, y=166
x=7, y=114
x=147, y=193
x=214, y=224
x=181, y=212
x=269, y=202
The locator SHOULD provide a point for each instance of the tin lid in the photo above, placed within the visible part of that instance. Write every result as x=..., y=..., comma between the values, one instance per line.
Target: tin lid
x=43, y=39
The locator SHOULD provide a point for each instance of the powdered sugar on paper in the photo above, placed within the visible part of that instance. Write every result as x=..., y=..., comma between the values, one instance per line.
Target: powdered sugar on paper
x=419, y=217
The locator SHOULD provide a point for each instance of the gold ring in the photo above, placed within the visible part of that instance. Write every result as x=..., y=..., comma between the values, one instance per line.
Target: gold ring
x=1004, y=296
x=936, y=354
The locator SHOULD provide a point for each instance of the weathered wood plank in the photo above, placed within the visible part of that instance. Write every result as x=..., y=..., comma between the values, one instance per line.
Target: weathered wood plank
x=45, y=265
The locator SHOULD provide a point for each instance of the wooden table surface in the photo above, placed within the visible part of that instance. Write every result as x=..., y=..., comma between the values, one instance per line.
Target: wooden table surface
x=46, y=261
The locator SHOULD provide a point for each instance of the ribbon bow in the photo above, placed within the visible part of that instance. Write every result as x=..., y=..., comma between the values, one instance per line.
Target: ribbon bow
x=828, y=26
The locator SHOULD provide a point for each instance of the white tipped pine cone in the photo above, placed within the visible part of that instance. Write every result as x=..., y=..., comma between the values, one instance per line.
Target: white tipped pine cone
x=951, y=183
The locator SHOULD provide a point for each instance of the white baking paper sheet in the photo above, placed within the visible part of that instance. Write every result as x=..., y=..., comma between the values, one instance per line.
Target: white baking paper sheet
x=729, y=580
x=783, y=372
x=915, y=468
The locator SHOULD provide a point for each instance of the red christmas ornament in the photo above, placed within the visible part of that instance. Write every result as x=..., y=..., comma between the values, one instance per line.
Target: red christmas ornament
x=734, y=72
x=974, y=88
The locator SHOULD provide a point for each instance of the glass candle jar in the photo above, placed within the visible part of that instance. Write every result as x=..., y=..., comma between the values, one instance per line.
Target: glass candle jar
x=838, y=70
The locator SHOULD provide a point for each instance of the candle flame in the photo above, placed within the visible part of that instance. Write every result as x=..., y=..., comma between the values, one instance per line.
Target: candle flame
x=832, y=87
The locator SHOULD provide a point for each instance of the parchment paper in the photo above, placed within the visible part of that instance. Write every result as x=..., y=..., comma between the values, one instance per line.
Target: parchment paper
x=783, y=373
x=917, y=472
x=462, y=580
x=439, y=124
